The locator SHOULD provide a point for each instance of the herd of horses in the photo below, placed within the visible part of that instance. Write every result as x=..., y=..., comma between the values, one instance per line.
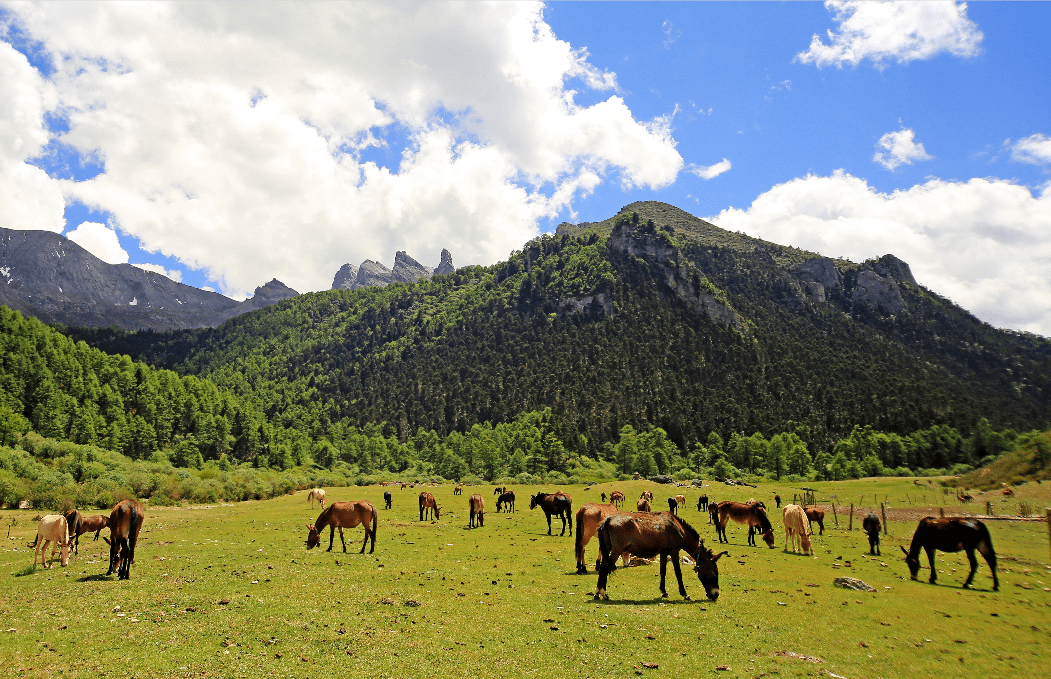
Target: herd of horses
x=642, y=534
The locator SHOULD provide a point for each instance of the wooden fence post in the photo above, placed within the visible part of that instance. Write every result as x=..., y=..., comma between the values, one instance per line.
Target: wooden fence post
x=851, y=527
x=834, y=515
x=883, y=510
x=941, y=510
x=988, y=508
x=1048, y=511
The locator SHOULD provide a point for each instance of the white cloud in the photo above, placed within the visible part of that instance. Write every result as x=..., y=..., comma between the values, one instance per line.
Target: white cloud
x=29, y=199
x=983, y=243
x=232, y=136
x=710, y=171
x=893, y=31
x=175, y=275
x=901, y=149
x=1035, y=149
x=99, y=240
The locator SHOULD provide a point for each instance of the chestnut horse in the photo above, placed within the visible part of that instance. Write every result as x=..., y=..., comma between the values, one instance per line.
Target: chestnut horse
x=750, y=514
x=428, y=506
x=816, y=516
x=458, y=490
x=477, y=506
x=951, y=535
x=506, y=498
x=125, y=521
x=646, y=535
x=589, y=516
x=94, y=523
x=344, y=515
x=559, y=504
x=643, y=505
x=616, y=497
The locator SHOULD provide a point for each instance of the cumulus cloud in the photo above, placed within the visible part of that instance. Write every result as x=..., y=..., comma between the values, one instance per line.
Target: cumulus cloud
x=710, y=171
x=29, y=199
x=1035, y=149
x=99, y=240
x=234, y=137
x=175, y=275
x=893, y=32
x=899, y=148
x=983, y=243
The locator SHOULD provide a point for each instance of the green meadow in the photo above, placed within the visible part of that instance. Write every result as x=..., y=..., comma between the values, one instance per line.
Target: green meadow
x=230, y=591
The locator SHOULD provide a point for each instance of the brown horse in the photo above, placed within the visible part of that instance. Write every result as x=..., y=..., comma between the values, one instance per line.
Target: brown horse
x=344, y=515
x=73, y=522
x=559, y=504
x=477, y=505
x=458, y=490
x=702, y=503
x=643, y=505
x=951, y=535
x=125, y=521
x=428, y=506
x=589, y=516
x=816, y=516
x=646, y=535
x=506, y=498
x=872, y=528
x=751, y=515
x=646, y=495
x=616, y=497
x=713, y=513
x=499, y=491
x=94, y=523
x=388, y=499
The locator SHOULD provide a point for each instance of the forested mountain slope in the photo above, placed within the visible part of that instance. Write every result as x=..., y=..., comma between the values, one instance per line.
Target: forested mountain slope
x=651, y=318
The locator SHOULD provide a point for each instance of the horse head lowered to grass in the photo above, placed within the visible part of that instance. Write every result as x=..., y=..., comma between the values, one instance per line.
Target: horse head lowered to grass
x=345, y=515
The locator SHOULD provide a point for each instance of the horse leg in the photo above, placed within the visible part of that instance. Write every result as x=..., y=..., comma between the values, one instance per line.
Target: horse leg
x=342, y=540
x=368, y=531
x=930, y=558
x=678, y=575
x=563, y=516
x=990, y=558
x=974, y=567
x=331, y=537
x=664, y=568
x=548, y=522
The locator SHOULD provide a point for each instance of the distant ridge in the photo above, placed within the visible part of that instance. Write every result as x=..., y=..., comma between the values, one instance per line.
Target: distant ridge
x=374, y=274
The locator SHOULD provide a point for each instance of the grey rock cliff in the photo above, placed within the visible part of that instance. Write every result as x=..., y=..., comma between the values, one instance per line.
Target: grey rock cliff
x=407, y=270
x=372, y=273
x=878, y=293
x=345, y=278
x=447, y=263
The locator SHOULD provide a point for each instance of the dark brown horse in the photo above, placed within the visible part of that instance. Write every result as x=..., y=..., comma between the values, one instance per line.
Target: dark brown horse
x=458, y=490
x=73, y=522
x=951, y=535
x=713, y=513
x=125, y=521
x=751, y=515
x=702, y=503
x=506, y=498
x=643, y=505
x=646, y=535
x=344, y=515
x=589, y=516
x=388, y=499
x=94, y=523
x=559, y=504
x=872, y=528
x=428, y=506
x=477, y=507
x=499, y=491
x=777, y=500
x=816, y=516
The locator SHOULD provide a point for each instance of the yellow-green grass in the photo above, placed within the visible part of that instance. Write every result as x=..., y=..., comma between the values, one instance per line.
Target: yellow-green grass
x=504, y=600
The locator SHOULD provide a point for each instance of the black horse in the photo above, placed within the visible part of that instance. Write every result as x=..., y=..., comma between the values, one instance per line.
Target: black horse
x=646, y=535
x=872, y=528
x=387, y=499
x=559, y=504
x=702, y=503
x=951, y=535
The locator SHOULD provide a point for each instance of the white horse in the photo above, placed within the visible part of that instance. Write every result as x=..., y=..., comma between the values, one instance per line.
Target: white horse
x=797, y=525
x=316, y=494
x=52, y=529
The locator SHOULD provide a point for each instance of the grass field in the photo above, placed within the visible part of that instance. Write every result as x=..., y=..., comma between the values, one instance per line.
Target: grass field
x=230, y=591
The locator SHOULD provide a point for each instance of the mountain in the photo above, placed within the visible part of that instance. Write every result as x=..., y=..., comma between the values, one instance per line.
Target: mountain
x=48, y=276
x=374, y=274
x=652, y=318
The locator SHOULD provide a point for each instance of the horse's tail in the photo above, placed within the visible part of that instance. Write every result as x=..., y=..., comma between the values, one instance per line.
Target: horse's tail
x=375, y=523
x=605, y=543
x=35, y=540
x=134, y=523
x=579, y=543
x=985, y=542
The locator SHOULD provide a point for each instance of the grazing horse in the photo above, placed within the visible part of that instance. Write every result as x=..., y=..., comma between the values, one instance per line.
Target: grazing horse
x=777, y=500
x=589, y=517
x=797, y=525
x=643, y=505
x=428, y=506
x=713, y=512
x=702, y=503
x=673, y=506
x=646, y=495
x=816, y=516
x=73, y=522
x=872, y=528
x=499, y=491
x=750, y=514
x=458, y=490
x=559, y=504
x=507, y=498
x=125, y=521
x=52, y=530
x=680, y=500
x=616, y=497
x=316, y=494
x=951, y=535
x=477, y=505
x=646, y=535
x=388, y=499
x=94, y=523
x=344, y=515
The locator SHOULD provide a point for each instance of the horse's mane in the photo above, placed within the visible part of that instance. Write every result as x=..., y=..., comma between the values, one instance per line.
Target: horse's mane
x=764, y=520
x=690, y=530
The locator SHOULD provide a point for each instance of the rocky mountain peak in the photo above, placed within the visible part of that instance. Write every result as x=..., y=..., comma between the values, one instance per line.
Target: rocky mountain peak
x=447, y=263
x=345, y=277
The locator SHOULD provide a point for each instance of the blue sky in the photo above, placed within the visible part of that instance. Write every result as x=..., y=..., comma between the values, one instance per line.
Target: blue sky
x=228, y=144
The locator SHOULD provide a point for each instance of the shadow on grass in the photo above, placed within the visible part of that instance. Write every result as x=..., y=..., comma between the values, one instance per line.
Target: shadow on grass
x=652, y=602
x=95, y=578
